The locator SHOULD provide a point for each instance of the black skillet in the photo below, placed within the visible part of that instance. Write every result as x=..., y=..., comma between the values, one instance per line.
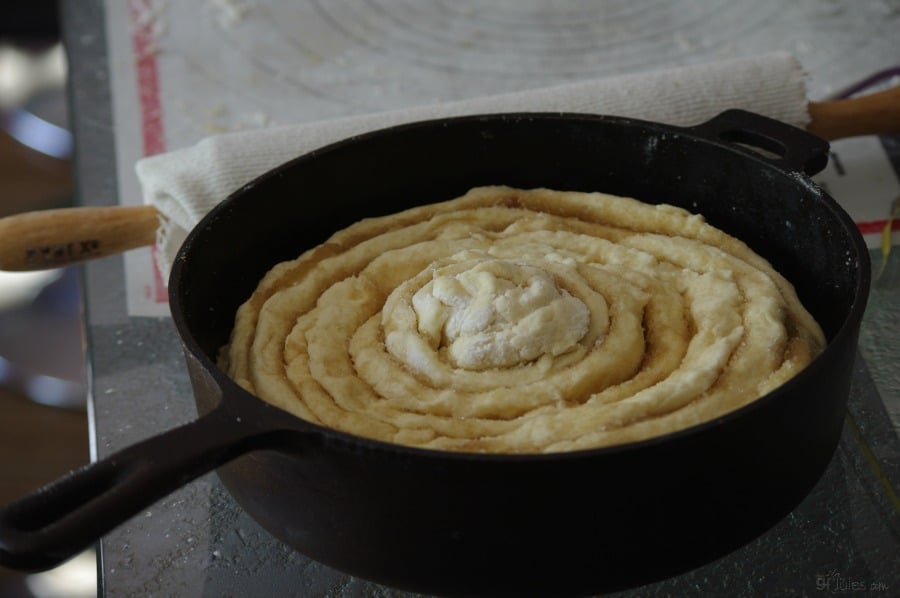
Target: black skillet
x=440, y=522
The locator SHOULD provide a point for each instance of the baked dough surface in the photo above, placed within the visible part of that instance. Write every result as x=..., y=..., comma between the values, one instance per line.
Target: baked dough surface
x=521, y=321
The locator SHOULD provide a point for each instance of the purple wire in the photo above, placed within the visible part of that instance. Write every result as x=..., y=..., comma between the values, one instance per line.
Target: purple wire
x=871, y=80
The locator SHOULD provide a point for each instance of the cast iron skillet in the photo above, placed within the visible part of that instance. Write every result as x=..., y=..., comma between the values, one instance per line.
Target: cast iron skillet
x=441, y=522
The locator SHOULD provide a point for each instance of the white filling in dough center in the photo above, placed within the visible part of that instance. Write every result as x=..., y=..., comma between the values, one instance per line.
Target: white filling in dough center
x=499, y=314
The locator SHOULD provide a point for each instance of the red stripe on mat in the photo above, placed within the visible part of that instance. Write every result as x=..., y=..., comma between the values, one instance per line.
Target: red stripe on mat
x=151, y=113
x=876, y=226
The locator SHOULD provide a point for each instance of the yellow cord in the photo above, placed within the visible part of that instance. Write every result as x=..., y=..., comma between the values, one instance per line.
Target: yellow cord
x=872, y=461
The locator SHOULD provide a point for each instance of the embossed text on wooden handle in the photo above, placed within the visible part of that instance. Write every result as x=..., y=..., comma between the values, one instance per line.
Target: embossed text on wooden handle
x=54, y=238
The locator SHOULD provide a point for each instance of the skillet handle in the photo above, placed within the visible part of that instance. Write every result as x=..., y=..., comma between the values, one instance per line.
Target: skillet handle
x=788, y=147
x=65, y=517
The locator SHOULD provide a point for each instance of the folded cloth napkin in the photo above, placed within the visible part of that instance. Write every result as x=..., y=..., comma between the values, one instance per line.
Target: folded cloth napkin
x=185, y=184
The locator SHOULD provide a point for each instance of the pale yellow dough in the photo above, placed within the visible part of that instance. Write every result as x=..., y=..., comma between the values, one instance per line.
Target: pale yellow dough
x=521, y=321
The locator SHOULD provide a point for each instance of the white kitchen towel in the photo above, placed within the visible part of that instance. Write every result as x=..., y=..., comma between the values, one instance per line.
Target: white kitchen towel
x=185, y=184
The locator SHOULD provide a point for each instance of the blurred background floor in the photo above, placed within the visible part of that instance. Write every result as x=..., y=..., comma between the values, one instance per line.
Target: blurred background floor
x=43, y=426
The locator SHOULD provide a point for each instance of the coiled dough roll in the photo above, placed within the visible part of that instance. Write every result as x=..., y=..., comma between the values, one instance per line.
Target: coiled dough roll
x=521, y=321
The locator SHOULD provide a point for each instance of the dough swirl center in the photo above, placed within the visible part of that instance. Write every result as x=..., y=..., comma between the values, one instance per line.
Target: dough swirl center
x=498, y=313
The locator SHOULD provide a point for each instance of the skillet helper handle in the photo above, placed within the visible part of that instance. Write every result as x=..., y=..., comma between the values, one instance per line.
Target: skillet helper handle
x=60, y=520
x=872, y=114
x=779, y=143
x=54, y=238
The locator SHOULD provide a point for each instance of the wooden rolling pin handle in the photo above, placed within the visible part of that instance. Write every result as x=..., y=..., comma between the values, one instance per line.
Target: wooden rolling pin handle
x=54, y=238
x=874, y=114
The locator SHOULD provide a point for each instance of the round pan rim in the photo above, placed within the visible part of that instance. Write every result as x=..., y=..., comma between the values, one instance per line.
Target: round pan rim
x=335, y=437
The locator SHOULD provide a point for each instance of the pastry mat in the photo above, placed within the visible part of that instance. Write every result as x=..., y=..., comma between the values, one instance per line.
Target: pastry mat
x=191, y=82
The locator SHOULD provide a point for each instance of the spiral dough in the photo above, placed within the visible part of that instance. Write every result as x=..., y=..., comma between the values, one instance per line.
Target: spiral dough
x=521, y=321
